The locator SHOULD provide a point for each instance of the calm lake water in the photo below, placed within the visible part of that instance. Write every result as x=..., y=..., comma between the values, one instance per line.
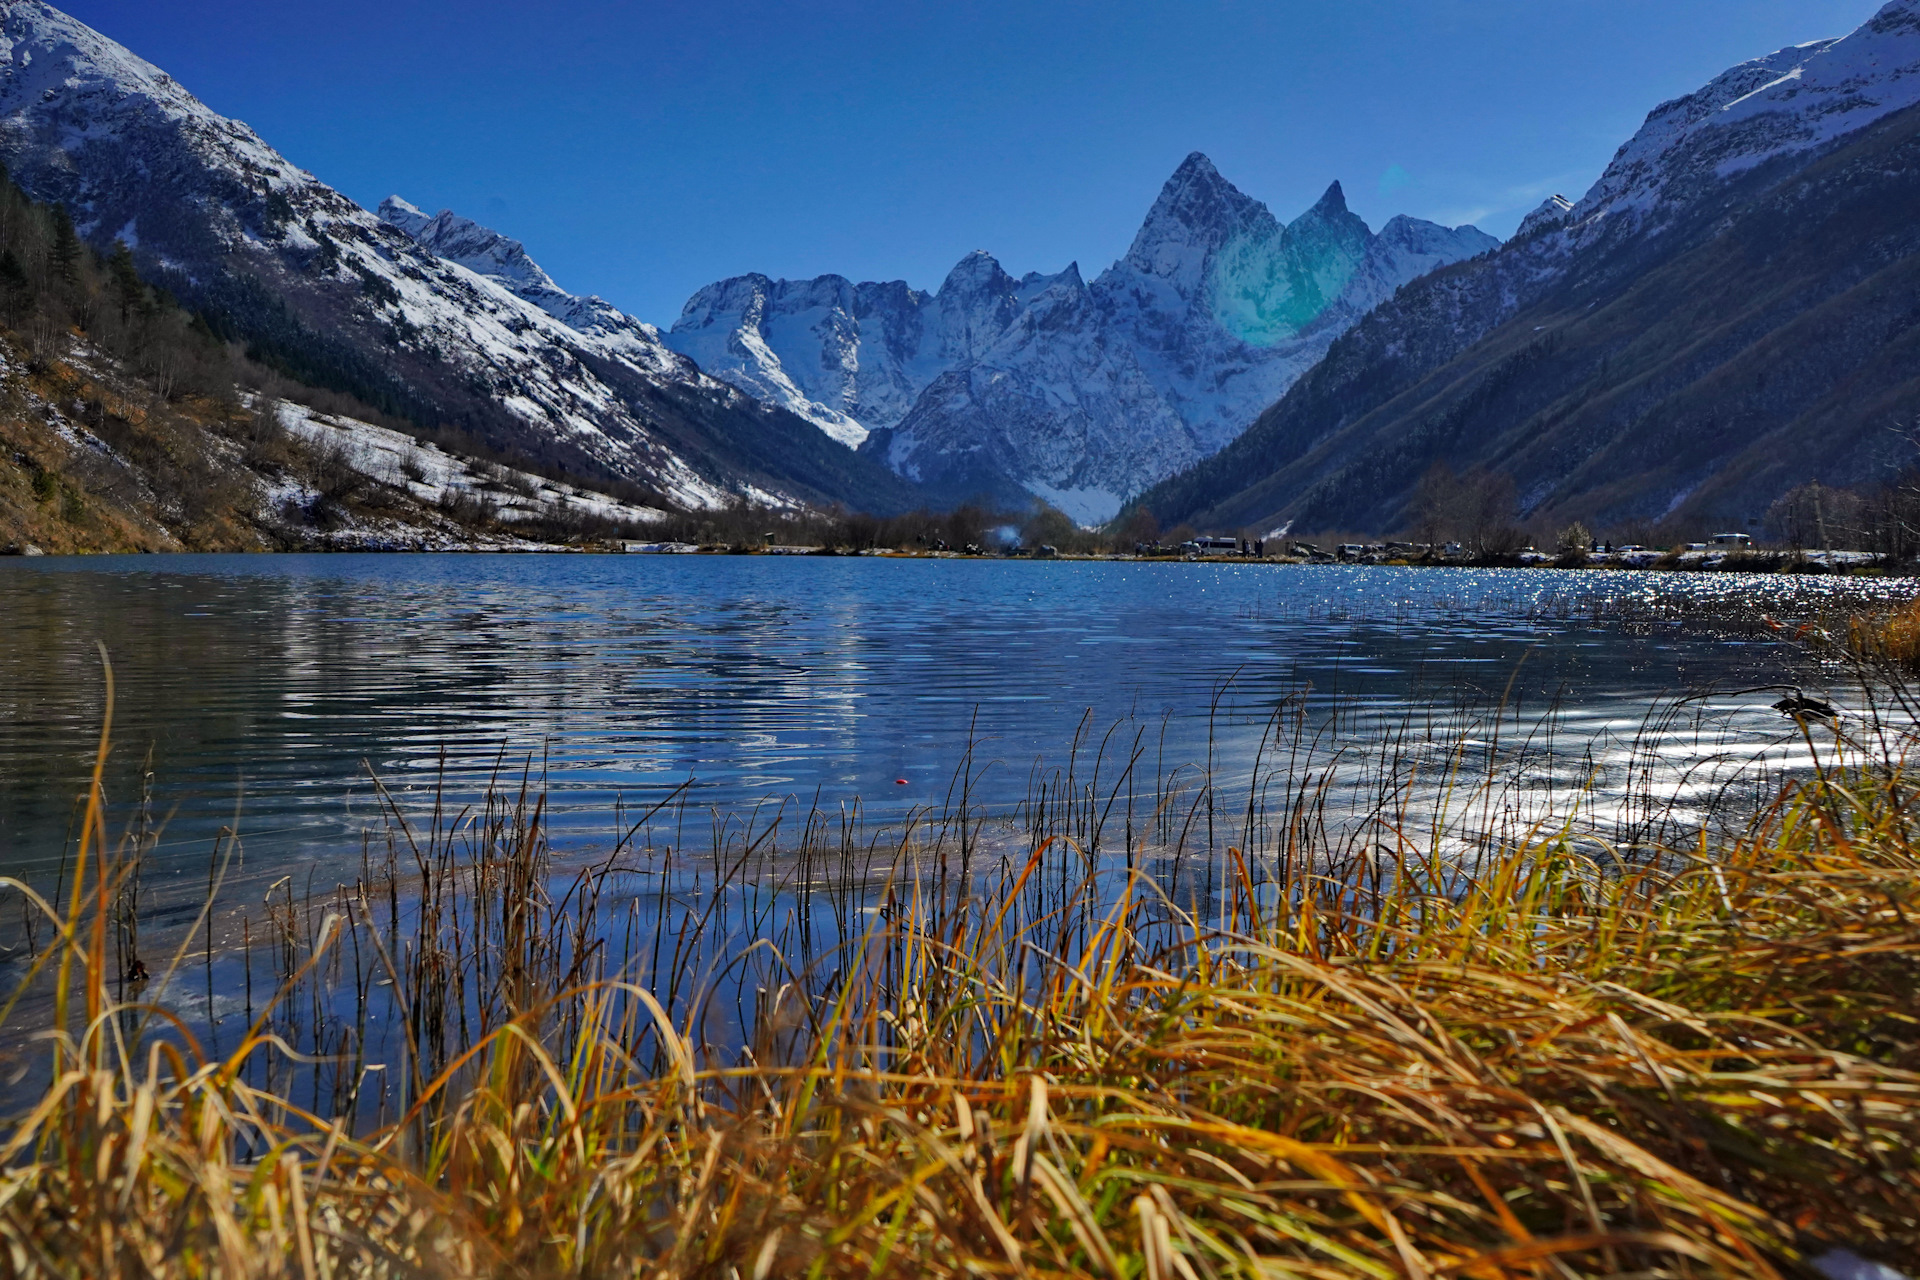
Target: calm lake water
x=267, y=689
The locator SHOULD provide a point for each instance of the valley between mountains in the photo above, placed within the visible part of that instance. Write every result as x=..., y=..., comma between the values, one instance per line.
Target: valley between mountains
x=1726, y=316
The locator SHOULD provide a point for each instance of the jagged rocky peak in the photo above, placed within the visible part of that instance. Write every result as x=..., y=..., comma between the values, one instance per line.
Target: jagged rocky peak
x=977, y=285
x=839, y=354
x=977, y=273
x=1272, y=282
x=1043, y=297
x=976, y=303
x=1418, y=238
x=737, y=295
x=1330, y=207
x=1079, y=393
x=505, y=261
x=402, y=213
x=1196, y=212
x=478, y=248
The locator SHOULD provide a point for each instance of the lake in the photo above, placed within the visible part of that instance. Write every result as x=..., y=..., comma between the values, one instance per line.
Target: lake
x=267, y=690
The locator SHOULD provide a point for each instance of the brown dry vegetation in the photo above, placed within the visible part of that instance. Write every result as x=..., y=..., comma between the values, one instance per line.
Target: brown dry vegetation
x=1892, y=638
x=123, y=424
x=163, y=487
x=1704, y=1063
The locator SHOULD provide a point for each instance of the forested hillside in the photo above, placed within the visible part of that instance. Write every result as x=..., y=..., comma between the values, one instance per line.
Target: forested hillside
x=126, y=424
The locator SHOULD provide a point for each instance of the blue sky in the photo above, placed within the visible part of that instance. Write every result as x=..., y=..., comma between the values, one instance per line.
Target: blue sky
x=643, y=150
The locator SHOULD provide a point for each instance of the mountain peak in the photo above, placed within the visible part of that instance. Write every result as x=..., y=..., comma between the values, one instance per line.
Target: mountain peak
x=478, y=248
x=1196, y=213
x=404, y=214
x=978, y=272
x=1198, y=198
x=1552, y=212
x=1196, y=164
x=1330, y=207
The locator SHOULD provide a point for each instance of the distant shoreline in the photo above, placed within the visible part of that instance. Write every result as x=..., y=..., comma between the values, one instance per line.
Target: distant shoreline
x=1864, y=563
x=1812, y=563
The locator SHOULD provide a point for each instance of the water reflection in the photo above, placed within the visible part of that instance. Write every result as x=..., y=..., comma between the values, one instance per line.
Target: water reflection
x=264, y=689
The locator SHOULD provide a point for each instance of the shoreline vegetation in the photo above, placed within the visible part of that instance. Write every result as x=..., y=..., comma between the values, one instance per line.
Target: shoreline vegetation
x=1689, y=557
x=1684, y=557
x=1138, y=1028
x=129, y=424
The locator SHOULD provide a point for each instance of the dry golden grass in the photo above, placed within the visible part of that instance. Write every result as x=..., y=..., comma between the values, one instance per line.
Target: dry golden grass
x=1705, y=1066
x=1891, y=638
x=86, y=503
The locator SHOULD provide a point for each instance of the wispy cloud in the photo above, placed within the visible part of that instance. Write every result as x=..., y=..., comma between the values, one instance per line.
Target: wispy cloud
x=1521, y=198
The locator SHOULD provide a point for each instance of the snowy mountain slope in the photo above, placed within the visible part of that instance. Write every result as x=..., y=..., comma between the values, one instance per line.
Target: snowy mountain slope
x=1079, y=393
x=1226, y=307
x=322, y=287
x=852, y=358
x=504, y=261
x=1552, y=212
x=1787, y=103
x=1054, y=407
x=727, y=328
x=433, y=478
x=1726, y=313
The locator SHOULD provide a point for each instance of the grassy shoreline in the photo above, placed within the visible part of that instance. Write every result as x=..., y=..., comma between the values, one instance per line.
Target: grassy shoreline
x=1344, y=1058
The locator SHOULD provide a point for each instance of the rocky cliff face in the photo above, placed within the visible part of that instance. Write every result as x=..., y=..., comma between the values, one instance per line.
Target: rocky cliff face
x=312, y=281
x=1226, y=307
x=1054, y=407
x=1050, y=386
x=1719, y=318
x=505, y=262
x=851, y=358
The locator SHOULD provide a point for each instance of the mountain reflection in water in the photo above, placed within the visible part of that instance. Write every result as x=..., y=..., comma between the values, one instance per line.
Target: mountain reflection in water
x=265, y=688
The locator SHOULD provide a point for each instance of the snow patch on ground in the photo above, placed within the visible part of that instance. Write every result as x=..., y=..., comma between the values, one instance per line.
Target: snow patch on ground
x=1087, y=507
x=430, y=475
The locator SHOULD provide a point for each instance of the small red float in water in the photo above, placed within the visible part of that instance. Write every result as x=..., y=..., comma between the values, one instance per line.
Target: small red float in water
x=899, y=782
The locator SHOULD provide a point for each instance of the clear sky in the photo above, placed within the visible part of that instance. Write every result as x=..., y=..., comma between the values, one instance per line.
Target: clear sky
x=642, y=150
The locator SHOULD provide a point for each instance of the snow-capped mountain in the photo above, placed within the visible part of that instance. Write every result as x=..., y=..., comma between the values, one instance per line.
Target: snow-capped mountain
x=1724, y=314
x=475, y=337
x=1226, y=307
x=1079, y=393
x=1054, y=406
x=504, y=261
x=851, y=358
x=1552, y=212
x=1783, y=105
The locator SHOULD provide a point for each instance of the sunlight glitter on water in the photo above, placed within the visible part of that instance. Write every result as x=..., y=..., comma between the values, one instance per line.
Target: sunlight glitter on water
x=267, y=686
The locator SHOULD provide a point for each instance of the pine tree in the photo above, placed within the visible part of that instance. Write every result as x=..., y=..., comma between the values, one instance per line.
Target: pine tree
x=12, y=201
x=16, y=287
x=65, y=254
x=124, y=279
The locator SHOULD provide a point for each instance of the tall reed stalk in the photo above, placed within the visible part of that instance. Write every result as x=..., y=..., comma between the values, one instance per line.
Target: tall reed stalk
x=1109, y=1047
